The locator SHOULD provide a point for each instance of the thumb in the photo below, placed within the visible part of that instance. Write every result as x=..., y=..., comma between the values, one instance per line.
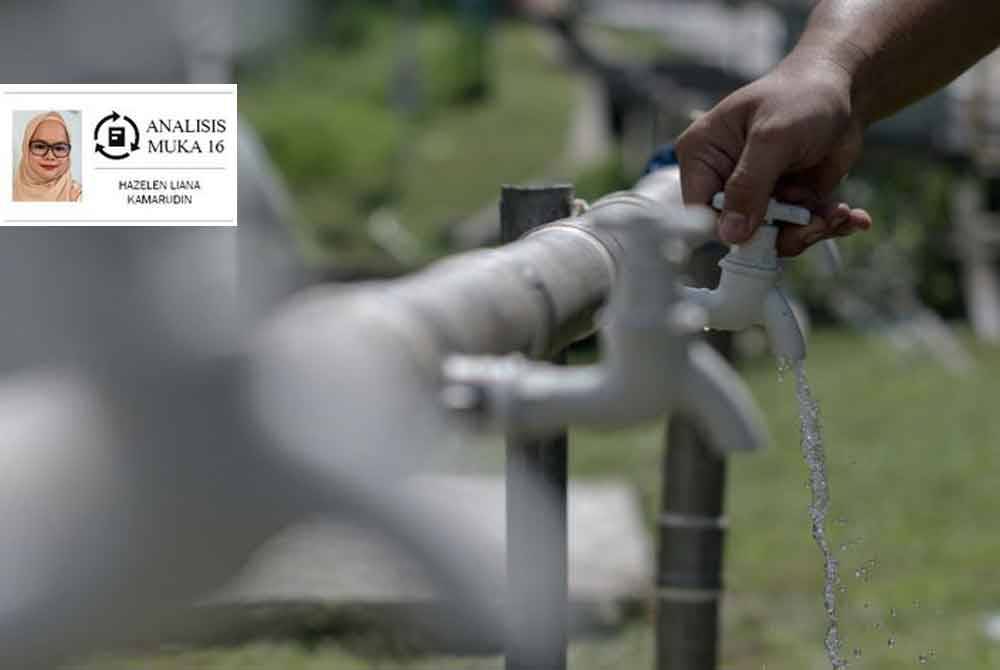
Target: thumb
x=749, y=187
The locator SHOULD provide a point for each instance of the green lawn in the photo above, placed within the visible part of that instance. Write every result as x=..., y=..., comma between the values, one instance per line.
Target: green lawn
x=914, y=470
x=327, y=117
x=460, y=158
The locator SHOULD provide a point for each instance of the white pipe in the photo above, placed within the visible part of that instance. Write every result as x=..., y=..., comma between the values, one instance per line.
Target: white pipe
x=651, y=362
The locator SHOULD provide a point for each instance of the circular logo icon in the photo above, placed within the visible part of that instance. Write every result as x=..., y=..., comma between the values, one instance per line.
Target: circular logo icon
x=120, y=136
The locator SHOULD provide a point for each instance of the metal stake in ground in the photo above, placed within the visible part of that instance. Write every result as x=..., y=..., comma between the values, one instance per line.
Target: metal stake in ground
x=537, y=572
x=692, y=527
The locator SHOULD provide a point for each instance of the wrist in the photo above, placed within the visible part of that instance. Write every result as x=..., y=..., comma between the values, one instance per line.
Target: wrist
x=847, y=64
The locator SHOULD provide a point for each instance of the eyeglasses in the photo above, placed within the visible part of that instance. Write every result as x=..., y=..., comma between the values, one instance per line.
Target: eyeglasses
x=41, y=149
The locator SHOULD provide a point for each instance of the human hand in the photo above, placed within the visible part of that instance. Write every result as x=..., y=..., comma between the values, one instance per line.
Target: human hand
x=790, y=135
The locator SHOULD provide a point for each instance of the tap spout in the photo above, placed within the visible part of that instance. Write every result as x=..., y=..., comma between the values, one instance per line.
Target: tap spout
x=782, y=327
x=749, y=294
x=719, y=402
x=533, y=397
x=738, y=304
x=635, y=382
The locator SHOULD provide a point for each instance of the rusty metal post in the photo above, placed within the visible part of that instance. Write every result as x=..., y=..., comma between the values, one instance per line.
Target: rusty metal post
x=691, y=526
x=537, y=570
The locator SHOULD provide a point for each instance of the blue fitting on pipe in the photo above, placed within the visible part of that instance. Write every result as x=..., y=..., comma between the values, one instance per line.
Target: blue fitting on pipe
x=663, y=157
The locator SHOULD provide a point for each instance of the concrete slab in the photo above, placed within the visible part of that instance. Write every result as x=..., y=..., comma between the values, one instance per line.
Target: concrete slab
x=321, y=566
x=610, y=555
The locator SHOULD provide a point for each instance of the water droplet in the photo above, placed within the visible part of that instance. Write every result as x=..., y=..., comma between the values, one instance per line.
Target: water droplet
x=878, y=626
x=867, y=604
x=892, y=611
x=921, y=659
x=843, y=547
x=892, y=642
x=857, y=653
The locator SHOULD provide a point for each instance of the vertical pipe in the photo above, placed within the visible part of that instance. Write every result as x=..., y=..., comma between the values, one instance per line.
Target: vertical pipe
x=992, y=184
x=537, y=570
x=692, y=527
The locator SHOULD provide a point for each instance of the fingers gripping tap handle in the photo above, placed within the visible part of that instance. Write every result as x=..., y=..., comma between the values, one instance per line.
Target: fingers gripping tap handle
x=784, y=212
x=749, y=291
x=776, y=211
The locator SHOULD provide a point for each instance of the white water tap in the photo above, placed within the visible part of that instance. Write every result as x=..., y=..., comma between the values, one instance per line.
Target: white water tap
x=652, y=363
x=749, y=291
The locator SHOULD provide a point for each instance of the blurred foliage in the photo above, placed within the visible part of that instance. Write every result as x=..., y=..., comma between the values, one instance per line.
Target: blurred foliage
x=335, y=113
x=458, y=63
x=309, y=143
x=910, y=245
x=595, y=181
x=627, y=44
x=911, y=205
x=349, y=22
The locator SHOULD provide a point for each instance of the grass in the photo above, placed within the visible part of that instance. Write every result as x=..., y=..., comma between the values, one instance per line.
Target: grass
x=910, y=449
x=328, y=120
x=459, y=159
x=627, y=45
x=913, y=466
x=911, y=452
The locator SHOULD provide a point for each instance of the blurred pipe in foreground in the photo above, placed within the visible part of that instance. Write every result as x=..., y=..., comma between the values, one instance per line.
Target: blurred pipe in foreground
x=537, y=545
x=177, y=432
x=136, y=479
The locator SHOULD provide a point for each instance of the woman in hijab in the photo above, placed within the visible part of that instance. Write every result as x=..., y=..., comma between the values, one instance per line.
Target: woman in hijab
x=44, y=171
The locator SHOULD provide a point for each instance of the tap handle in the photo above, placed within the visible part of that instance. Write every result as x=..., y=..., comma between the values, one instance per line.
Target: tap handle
x=776, y=211
x=827, y=255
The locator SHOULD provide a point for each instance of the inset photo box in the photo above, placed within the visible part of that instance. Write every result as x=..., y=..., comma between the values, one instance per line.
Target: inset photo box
x=46, y=162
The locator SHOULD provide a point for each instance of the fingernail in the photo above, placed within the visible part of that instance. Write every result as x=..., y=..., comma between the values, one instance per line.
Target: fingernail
x=733, y=227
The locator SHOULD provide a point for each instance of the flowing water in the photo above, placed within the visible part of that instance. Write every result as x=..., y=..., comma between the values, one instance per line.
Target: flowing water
x=812, y=450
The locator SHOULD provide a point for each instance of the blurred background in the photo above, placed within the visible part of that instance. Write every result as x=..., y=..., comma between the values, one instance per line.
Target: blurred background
x=391, y=125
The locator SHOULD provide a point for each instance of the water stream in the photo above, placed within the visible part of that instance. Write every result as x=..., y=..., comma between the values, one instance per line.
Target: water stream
x=812, y=451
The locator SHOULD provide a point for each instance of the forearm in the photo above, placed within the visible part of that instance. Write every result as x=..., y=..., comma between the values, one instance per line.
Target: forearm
x=898, y=51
